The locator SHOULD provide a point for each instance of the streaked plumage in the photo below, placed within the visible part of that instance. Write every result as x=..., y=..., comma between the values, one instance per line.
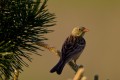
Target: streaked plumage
x=71, y=49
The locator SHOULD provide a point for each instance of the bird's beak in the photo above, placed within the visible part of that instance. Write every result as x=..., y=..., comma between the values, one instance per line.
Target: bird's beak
x=85, y=30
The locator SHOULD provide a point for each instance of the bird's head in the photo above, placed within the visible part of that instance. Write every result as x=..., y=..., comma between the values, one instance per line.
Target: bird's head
x=79, y=31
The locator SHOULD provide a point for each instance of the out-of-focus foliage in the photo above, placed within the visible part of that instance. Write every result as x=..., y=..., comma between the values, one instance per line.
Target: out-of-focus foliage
x=22, y=24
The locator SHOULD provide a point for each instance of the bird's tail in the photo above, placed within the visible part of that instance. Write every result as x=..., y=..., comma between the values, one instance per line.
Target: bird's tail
x=58, y=67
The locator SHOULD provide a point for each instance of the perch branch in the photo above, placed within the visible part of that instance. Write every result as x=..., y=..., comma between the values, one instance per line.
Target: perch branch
x=74, y=66
x=78, y=69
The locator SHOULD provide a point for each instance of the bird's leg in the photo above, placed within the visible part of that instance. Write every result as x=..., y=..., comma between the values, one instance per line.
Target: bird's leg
x=76, y=66
x=74, y=62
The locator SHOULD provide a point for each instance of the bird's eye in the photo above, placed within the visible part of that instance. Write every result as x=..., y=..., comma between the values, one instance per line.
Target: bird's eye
x=79, y=29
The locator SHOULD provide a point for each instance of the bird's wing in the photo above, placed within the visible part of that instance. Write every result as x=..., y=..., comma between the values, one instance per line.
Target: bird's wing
x=72, y=46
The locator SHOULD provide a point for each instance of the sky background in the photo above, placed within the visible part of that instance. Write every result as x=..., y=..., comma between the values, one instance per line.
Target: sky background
x=102, y=52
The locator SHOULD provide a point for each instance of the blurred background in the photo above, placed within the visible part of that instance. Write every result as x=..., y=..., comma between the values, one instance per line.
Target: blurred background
x=101, y=55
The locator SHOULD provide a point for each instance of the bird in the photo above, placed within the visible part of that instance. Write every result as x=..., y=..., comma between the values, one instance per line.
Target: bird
x=72, y=48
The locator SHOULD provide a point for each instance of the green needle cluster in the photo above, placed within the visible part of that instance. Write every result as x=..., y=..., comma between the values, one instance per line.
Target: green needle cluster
x=22, y=24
